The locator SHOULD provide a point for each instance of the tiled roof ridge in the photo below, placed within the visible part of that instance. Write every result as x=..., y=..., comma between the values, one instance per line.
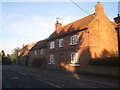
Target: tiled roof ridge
x=38, y=44
x=71, y=27
x=76, y=21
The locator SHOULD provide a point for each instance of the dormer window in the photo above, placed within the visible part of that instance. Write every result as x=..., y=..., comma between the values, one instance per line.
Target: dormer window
x=52, y=45
x=61, y=43
x=74, y=40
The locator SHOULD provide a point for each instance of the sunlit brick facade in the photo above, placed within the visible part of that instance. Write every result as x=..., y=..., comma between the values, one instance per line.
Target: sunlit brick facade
x=93, y=36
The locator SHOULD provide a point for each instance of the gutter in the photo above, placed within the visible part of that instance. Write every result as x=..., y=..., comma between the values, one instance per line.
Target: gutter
x=66, y=34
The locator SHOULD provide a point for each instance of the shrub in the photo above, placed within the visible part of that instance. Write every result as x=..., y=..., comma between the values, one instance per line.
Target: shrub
x=110, y=61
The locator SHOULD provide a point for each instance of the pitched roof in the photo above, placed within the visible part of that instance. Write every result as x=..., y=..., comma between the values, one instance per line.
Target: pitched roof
x=25, y=53
x=24, y=50
x=39, y=45
x=74, y=26
x=114, y=24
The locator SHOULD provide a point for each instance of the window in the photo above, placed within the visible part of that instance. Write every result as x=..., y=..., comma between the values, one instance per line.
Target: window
x=41, y=51
x=52, y=45
x=35, y=52
x=61, y=43
x=52, y=58
x=74, y=57
x=74, y=40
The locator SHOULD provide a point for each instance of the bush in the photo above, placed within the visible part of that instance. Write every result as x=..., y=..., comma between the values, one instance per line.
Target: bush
x=111, y=61
x=6, y=61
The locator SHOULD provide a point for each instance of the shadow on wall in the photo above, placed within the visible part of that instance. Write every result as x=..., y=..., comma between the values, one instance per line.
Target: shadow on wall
x=106, y=53
x=84, y=56
x=39, y=62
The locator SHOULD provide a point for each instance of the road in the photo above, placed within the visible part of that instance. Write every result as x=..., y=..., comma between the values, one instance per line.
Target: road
x=15, y=76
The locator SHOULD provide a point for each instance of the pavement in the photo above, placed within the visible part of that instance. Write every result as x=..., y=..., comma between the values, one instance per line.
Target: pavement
x=15, y=76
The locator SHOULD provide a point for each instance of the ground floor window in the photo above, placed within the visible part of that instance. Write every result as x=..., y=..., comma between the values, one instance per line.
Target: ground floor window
x=52, y=59
x=74, y=57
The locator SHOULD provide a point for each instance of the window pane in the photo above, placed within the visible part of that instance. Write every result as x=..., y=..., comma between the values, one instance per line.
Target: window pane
x=61, y=43
x=74, y=57
x=51, y=44
x=51, y=58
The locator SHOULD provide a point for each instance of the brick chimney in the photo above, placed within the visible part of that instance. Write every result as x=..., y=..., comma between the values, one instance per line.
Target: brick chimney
x=99, y=9
x=23, y=45
x=117, y=19
x=58, y=25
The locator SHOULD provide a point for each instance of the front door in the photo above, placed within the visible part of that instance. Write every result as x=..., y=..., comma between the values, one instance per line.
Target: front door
x=61, y=60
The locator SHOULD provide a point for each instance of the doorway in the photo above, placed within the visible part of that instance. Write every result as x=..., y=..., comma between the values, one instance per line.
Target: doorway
x=61, y=60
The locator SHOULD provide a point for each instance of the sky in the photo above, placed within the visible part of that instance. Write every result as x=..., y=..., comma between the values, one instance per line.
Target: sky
x=27, y=22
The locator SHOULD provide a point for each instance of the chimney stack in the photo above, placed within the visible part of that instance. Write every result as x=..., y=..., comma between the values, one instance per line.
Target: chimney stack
x=117, y=19
x=99, y=9
x=118, y=15
x=58, y=25
x=23, y=45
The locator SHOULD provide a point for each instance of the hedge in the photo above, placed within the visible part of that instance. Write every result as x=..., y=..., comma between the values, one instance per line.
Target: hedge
x=111, y=61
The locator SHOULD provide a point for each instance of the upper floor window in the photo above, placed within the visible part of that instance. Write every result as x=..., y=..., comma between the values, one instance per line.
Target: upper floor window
x=35, y=52
x=74, y=57
x=74, y=40
x=61, y=43
x=41, y=51
x=52, y=45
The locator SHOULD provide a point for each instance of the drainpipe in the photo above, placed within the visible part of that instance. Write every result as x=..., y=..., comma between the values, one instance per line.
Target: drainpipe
x=119, y=40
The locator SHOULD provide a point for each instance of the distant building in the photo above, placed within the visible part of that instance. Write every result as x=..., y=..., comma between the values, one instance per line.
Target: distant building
x=37, y=54
x=23, y=54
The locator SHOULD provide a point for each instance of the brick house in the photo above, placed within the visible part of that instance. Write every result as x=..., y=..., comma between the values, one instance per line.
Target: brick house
x=37, y=54
x=23, y=54
x=93, y=36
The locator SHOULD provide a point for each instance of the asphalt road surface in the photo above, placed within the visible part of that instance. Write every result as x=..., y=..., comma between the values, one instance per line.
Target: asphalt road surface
x=14, y=76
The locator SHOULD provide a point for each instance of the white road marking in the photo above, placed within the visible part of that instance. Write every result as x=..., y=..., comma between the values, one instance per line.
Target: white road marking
x=22, y=73
x=14, y=77
x=49, y=83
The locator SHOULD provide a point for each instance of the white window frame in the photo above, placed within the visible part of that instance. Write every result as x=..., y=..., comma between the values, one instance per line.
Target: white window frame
x=52, y=45
x=61, y=43
x=52, y=59
x=35, y=52
x=74, y=40
x=42, y=51
x=75, y=58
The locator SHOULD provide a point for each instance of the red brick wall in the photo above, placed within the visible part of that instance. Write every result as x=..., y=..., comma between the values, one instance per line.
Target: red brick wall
x=32, y=55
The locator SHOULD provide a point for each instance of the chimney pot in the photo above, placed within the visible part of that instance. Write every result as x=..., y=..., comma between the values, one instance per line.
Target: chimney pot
x=98, y=2
x=99, y=8
x=118, y=15
x=58, y=25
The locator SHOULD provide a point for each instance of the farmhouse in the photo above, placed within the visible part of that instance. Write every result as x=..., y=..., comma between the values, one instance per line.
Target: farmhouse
x=93, y=36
